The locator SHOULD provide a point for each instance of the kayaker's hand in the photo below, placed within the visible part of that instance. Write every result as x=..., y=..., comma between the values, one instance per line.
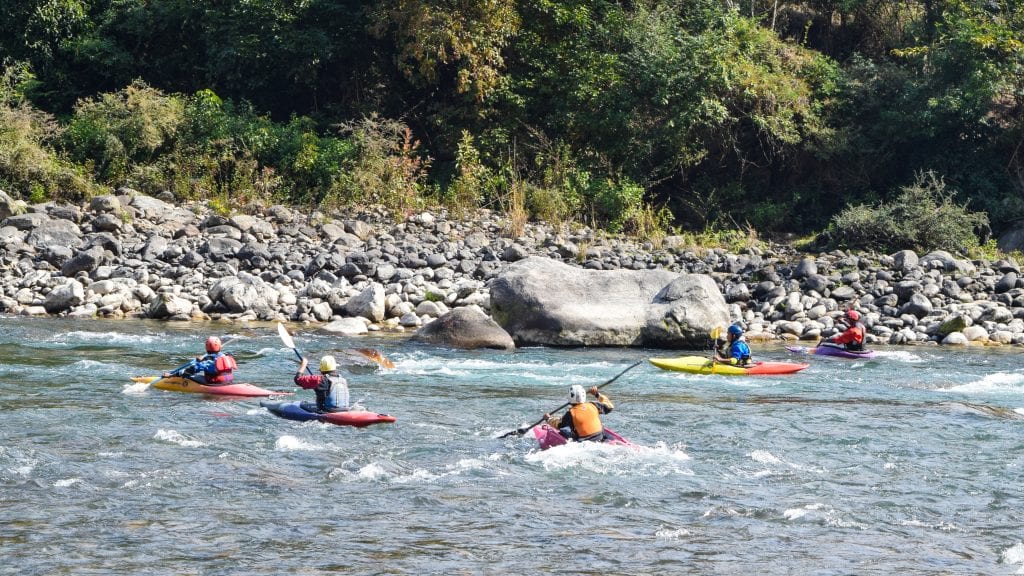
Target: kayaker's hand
x=595, y=392
x=167, y=375
x=547, y=416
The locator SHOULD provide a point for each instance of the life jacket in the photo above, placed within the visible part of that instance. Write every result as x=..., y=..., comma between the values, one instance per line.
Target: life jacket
x=740, y=351
x=224, y=365
x=586, y=420
x=857, y=344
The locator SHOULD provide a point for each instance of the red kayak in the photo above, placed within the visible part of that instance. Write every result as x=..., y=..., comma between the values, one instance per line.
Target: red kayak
x=296, y=411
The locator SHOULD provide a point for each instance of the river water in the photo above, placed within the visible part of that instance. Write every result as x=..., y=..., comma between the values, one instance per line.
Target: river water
x=906, y=464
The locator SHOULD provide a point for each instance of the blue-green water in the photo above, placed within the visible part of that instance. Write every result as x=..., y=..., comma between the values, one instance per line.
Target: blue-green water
x=906, y=464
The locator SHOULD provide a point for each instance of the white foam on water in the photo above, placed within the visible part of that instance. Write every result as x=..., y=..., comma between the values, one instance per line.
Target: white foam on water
x=1014, y=555
x=266, y=351
x=175, y=437
x=67, y=482
x=107, y=337
x=614, y=460
x=671, y=533
x=89, y=365
x=992, y=383
x=797, y=513
x=135, y=388
x=764, y=457
x=899, y=356
x=292, y=444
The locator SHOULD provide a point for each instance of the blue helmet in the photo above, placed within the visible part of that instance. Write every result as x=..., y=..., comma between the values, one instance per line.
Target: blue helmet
x=735, y=330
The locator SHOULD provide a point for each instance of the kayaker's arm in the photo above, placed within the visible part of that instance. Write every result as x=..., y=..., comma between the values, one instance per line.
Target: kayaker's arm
x=302, y=366
x=604, y=404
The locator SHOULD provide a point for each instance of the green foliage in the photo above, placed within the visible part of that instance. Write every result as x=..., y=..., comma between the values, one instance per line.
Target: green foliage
x=387, y=167
x=119, y=130
x=29, y=167
x=923, y=217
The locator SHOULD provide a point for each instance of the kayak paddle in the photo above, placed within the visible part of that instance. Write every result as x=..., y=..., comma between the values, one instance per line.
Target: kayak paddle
x=522, y=430
x=286, y=338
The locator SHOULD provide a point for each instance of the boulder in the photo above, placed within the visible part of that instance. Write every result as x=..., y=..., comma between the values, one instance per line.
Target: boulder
x=543, y=301
x=467, y=328
x=64, y=297
x=84, y=261
x=47, y=232
x=245, y=293
x=168, y=306
x=347, y=326
x=369, y=303
x=9, y=206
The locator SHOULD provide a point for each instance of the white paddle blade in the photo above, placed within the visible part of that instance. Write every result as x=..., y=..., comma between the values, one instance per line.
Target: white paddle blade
x=286, y=338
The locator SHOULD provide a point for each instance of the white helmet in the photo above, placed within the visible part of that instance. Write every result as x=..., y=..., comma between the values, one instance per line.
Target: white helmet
x=328, y=364
x=576, y=394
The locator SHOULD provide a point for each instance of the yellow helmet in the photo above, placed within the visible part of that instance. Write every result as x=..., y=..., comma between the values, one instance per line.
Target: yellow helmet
x=328, y=364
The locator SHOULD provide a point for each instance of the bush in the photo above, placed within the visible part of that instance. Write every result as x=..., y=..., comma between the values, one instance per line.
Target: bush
x=923, y=217
x=29, y=167
x=116, y=131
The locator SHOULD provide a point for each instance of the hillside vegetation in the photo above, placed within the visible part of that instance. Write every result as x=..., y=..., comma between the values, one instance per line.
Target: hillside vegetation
x=630, y=116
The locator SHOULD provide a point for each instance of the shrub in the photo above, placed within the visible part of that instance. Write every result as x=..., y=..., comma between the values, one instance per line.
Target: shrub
x=386, y=166
x=923, y=217
x=116, y=131
x=29, y=166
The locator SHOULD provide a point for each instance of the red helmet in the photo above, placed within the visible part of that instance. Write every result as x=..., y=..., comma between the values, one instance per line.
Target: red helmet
x=853, y=315
x=212, y=344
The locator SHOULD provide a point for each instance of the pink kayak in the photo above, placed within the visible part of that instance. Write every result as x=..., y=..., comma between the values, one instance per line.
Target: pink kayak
x=179, y=384
x=828, y=350
x=548, y=437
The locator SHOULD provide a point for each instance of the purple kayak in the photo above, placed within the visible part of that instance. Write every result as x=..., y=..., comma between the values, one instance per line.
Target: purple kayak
x=837, y=351
x=548, y=437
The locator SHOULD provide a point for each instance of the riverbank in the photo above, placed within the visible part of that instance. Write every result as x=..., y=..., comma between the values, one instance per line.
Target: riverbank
x=131, y=255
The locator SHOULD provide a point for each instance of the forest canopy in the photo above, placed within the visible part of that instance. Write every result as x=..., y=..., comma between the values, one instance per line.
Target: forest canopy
x=629, y=116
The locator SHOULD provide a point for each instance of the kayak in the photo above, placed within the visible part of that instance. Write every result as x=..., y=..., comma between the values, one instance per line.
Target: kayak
x=179, y=384
x=548, y=437
x=703, y=365
x=295, y=411
x=826, y=350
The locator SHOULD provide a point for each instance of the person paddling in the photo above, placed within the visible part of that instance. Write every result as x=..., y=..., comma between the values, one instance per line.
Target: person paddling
x=736, y=350
x=583, y=420
x=215, y=368
x=330, y=388
x=852, y=339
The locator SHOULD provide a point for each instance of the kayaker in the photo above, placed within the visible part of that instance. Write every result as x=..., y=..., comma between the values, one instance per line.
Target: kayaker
x=215, y=368
x=852, y=338
x=736, y=350
x=330, y=388
x=583, y=420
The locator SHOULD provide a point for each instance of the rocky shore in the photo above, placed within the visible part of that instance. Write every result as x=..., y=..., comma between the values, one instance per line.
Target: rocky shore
x=132, y=255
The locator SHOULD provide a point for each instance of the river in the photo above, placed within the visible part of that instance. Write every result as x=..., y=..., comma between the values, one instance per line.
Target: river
x=906, y=464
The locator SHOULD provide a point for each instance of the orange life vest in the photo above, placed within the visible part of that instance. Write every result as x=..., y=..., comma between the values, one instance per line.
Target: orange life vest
x=586, y=421
x=224, y=365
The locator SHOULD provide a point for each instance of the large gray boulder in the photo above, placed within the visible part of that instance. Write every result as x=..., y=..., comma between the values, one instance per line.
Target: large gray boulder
x=467, y=328
x=543, y=301
x=245, y=293
x=64, y=297
x=368, y=304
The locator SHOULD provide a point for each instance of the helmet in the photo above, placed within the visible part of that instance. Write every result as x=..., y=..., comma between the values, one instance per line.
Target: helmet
x=735, y=330
x=328, y=364
x=576, y=394
x=853, y=315
x=212, y=345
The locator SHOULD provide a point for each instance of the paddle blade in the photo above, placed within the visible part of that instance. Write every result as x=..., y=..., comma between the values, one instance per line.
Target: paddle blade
x=376, y=356
x=286, y=338
x=716, y=332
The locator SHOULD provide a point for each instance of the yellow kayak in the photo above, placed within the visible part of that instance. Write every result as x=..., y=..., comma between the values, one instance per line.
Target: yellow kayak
x=704, y=365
